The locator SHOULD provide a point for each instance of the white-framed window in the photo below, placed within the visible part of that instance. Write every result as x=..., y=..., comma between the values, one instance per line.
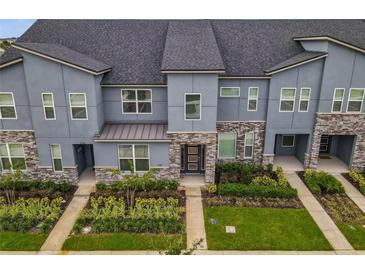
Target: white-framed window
x=192, y=106
x=227, y=145
x=78, y=106
x=7, y=106
x=338, y=95
x=12, y=156
x=288, y=140
x=229, y=92
x=287, y=99
x=253, y=95
x=56, y=155
x=249, y=143
x=136, y=155
x=304, y=99
x=356, y=98
x=136, y=101
x=48, y=106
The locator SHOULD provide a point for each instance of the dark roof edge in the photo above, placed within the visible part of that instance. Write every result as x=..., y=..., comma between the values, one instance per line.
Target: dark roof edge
x=194, y=71
x=268, y=72
x=11, y=62
x=46, y=56
x=238, y=76
x=331, y=39
x=134, y=85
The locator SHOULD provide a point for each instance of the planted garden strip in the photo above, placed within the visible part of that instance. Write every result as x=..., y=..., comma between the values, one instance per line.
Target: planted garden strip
x=357, y=179
x=344, y=212
x=264, y=209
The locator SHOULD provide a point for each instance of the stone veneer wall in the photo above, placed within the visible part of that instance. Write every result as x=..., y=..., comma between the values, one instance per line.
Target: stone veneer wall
x=339, y=124
x=192, y=138
x=34, y=171
x=241, y=128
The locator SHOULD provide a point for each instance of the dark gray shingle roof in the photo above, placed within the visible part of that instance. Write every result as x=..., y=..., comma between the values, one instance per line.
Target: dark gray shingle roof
x=191, y=45
x=297, y=59
x=148, y=132
x=65, y=54
x=135, y=48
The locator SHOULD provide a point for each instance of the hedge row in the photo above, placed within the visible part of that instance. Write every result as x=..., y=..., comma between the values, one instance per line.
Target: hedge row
x=242, y=190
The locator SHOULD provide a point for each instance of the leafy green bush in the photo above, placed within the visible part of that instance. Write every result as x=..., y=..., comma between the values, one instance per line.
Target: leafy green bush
x=359, y=179
x=108, y=214
x=253, y=190
x=22, y=185
x=28, y=213
x=282, y=180
x=322, y=182
x=212, y=188
x=264, y=181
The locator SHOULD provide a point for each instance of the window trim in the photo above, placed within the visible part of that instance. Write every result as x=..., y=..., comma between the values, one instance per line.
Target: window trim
x=8, y=151
x=362, y=101
x=235, y=145
x=333, y=100
x=256, y=99
x=230, y=96
x=136, y=101
x=53, y=158
x=69, y=99
x=44, y=107
x=286, y=135
x=300, y=99
x=281, y=99
x=134, y=157
x=200, y=106
x=253, y=145
x=16, y=114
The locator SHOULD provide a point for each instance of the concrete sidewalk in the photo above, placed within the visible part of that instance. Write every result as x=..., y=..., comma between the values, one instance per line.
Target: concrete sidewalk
x=352, y=192
x=320, y=216
x=65, y=224
x=195, y=228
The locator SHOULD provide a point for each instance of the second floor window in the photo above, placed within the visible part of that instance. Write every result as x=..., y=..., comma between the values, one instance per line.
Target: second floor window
x=356, y=98
x=48, y=106
x=226, y=145
x=133, y=156
x=253, y=94
x=287, y=99
x=338, y=95
x=7, y=106
x=304, y=99
x=192, y=106
x=56, y=157
x=229, y=92
x=137, y=101
x=12, y=157
x=78, y=106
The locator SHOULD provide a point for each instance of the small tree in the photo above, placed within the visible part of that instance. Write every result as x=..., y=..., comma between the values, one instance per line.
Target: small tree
x=8, y=183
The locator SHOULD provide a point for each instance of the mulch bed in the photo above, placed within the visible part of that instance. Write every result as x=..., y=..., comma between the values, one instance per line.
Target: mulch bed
x=216, y=200
x=348, y=178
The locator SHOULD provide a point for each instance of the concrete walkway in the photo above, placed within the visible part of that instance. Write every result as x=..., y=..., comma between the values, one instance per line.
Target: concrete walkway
x=320, y=216
x=65, y=224
x=352, y=192
x=195, y=228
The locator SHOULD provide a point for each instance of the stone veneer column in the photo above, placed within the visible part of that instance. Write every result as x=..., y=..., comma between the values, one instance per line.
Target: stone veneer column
x=182, y=138
x=339, y=124
x=242, y=128
x=34, y=171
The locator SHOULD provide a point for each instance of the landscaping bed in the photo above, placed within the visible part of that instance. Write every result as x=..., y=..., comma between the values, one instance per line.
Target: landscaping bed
x=136, y=213
x=357, y=179
x=344, y=212
x=29, y=210
x=262, y=207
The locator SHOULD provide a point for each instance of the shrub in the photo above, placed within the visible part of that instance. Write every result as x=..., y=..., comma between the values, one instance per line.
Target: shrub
x=212, y=188
x=359, y=179
x=282, y=181
x=264, y=181
x=253, y=190
x=101, y=186
x=151, y=184
x=322, y=181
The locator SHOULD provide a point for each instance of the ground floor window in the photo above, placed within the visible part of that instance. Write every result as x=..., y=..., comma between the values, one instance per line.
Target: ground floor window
x=249, y=141
x=287, y=141
x=12, y=157
x=135, y=157
x=226, y=145
x=56, y=157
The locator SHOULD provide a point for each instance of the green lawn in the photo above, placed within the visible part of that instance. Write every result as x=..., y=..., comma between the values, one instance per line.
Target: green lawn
x=19, y=241
x=123, y=241
x=355, y=234
x=263, y=229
